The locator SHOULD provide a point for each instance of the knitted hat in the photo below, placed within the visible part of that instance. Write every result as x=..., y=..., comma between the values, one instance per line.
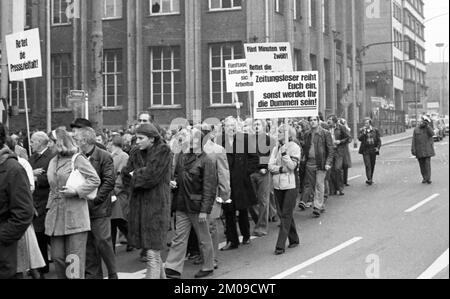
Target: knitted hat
x=148, y=130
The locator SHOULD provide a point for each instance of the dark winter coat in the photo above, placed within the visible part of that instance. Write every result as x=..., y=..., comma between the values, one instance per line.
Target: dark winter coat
x=103, y=163
x=341, y=134
x=242, y=164
x=423, y=143
x=366, y=148
x=42, y=190
x=16, y=210
x=323, y=146
x=196, y=177
x=149, y=187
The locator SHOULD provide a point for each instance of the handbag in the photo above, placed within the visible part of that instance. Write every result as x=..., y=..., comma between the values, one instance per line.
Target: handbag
x=76, y=180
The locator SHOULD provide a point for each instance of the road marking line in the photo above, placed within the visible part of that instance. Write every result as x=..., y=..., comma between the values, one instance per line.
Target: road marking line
x=355, y=177
x=440, y=264
x=317, y=258
x=424, y=202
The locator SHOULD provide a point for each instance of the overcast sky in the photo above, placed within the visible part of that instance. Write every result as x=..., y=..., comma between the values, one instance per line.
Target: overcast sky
x=437, y=30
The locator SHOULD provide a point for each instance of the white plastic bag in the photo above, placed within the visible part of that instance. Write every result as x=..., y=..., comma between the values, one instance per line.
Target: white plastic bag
x=76, y=180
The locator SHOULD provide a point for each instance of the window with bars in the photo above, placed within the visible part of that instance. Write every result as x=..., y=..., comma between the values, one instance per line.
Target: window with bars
x=112, y=78
x=61, y=79
x=218, y=54
x=59, y=16
x=113, y=9
x=164, y=7
x=165, y=77
x=224, y=4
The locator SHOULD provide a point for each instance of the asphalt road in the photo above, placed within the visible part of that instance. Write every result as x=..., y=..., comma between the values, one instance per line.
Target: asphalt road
x=397, y=228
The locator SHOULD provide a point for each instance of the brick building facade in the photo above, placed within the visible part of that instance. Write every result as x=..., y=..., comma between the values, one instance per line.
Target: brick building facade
x=167, y=56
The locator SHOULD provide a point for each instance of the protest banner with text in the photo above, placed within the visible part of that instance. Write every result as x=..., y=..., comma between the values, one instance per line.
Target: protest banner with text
x=24, y=55
x=238, y=76
x=269, y=57
x=286, y=95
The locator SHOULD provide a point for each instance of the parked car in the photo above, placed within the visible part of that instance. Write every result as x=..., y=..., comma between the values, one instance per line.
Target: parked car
x=446, y=122
x=439, y=129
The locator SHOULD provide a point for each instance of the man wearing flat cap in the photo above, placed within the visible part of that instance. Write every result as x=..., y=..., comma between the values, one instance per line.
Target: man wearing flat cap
x=423, y=147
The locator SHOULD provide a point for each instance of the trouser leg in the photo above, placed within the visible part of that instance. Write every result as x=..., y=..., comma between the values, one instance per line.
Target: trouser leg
x=177, y=252
x=319, y=203
x=43, y=241
x=231, y=233
x=263, y=194
x=244, y=224
x=76, y=255
x=205, y=241
x=154, y=265
x=339, y=172
x=368, y=166
x=286, y=200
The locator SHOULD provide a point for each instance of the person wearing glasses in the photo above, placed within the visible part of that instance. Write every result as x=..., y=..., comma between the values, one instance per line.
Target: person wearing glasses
x=318, y=152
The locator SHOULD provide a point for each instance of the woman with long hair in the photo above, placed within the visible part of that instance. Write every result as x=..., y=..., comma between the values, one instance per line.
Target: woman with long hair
x=67, y=222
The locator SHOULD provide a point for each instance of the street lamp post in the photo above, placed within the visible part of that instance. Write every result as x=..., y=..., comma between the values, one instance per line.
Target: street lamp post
x=443, y=79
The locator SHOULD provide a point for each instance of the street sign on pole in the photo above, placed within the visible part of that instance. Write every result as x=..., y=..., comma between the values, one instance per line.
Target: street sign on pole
x=77, y=100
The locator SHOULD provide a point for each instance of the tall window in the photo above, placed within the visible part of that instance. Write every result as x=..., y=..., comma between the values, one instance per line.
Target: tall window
x=398, y=69
x=297, y=60
x=162, y=7
x=112, y=78
x=224, y=4
x=279, y=6
x=61, y=79
x=17, y=95
x=113, y=9
x=325, y=16
x=59, y=12
x=218, y=54
x=297, y=10
x=398, y=38
x=165, y=75
x=312, y=13
x=28, y=13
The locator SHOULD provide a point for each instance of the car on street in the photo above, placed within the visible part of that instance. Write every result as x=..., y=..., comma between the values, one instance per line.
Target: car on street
x=447, y=129
x=439, y=129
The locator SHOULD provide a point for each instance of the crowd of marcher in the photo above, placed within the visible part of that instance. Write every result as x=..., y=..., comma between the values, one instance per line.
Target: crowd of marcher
x=170, y=188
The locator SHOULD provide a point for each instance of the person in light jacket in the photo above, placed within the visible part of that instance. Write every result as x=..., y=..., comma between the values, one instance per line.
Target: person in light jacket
x=284, y=161
x=67, y=222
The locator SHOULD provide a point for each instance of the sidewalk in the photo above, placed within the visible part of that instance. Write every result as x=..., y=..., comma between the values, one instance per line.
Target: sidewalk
x=387, y=140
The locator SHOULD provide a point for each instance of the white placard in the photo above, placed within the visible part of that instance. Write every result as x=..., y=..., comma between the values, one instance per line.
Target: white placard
x=238, y=76
x=286, y=95
x=269, y=57
x=24, y=55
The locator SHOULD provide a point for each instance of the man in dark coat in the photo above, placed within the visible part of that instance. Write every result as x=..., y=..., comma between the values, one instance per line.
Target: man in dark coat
x=147, y=175
x=242, y=164
x=341, y=139
x=16, y=207
x=196, y=189
x=99, y=244
x=39, y=161
x=370, y=148
x=423, y=147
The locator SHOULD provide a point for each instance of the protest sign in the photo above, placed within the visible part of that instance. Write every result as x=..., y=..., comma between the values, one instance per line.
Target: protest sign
x=286, y=95
x=269, y=57
x=24, y=55
x=238, y=76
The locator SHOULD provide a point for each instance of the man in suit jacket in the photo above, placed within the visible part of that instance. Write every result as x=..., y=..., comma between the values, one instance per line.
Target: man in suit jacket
x=39, y=161
x=219, y=157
